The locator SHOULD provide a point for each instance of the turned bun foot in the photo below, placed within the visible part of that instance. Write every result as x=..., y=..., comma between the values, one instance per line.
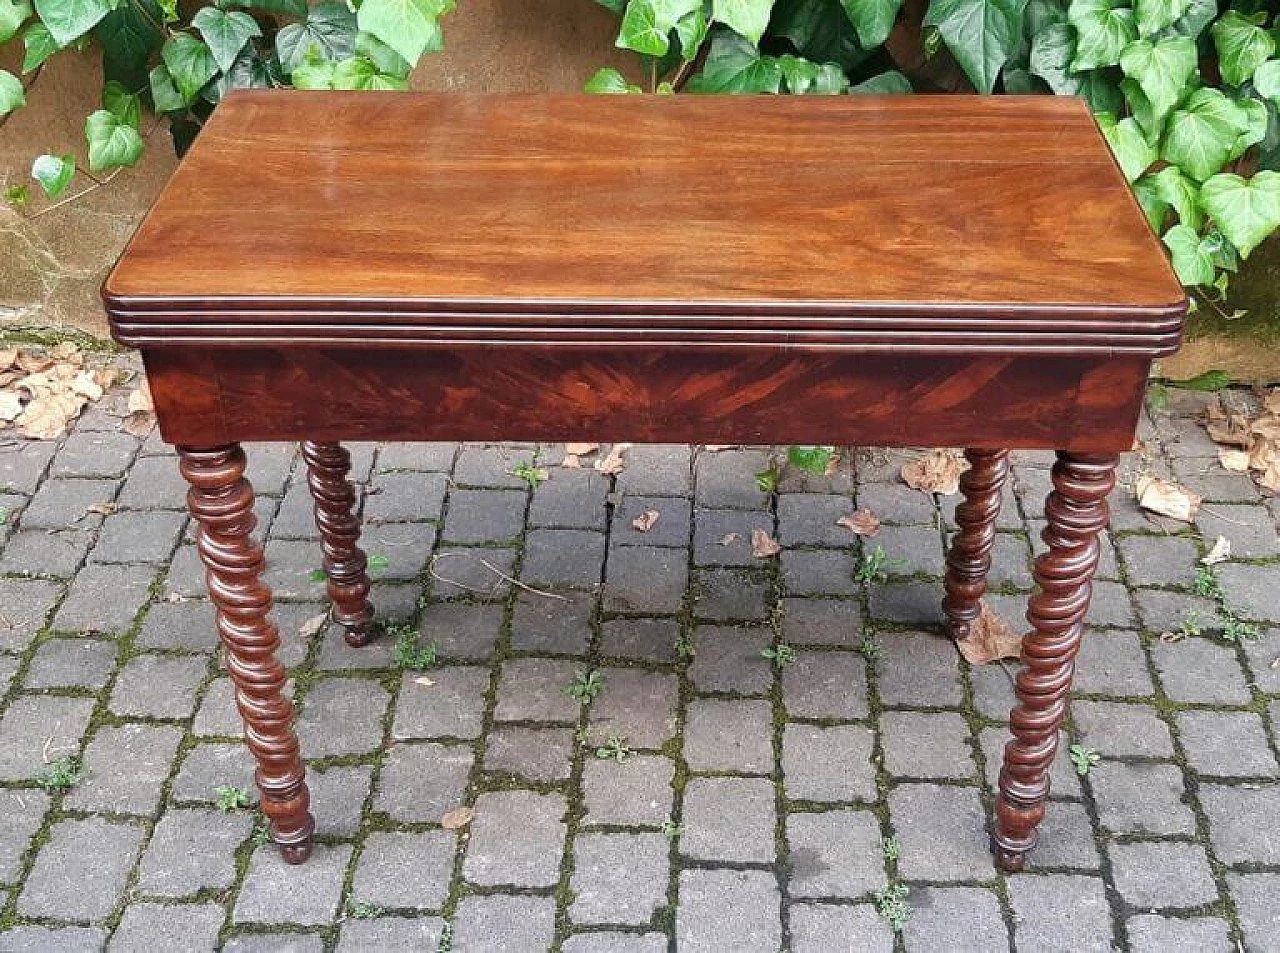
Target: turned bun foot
x=358, y=636
x=296, y=853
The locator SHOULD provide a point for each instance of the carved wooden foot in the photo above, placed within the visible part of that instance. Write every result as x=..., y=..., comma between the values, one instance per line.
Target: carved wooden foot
x=1077, y=512
x=221, y=500
x=345, y=564
x=969, y=560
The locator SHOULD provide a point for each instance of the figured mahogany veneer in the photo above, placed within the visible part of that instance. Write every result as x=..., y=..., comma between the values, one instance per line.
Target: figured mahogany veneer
x=907, y=271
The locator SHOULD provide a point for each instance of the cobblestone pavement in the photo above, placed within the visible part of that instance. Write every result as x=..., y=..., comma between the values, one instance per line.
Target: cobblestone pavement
x=753, y=810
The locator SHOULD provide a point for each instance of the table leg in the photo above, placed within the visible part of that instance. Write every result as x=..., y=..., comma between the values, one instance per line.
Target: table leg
x=969, y=560
x=221, y=501
x=345, y=565
x=1076, y=512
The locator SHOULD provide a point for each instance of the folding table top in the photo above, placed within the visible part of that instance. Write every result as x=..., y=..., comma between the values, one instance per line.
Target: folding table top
x=984, y=223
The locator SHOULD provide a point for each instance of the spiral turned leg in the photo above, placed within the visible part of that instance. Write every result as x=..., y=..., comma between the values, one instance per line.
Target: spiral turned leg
x=969, y=560
x=1077, y=512
x=221, y=501
x=345, y=564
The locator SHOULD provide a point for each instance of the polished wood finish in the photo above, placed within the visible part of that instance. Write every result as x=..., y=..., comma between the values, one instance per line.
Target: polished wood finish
x=221, y=501
x=1076, y=512
x=969, y=559
x=345, y=564
x=901, y=271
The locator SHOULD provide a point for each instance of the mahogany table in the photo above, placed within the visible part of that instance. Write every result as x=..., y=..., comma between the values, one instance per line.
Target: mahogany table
x=909, y=271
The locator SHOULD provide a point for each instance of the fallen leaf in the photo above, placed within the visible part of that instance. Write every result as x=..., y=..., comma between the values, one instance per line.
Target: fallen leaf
x=571, y=462
x=1271, y=404
x=102, y=509
x=1220, y=552
x=312, y=625
x=580, y=449
x=1270, y=479
x=457, y=818
x=728, y=539
x=140, y=399
x=644, y=522
x=1171, y=637
x=717, y=447
x=938, y=471
x=46, y=417
x=139, y=423
x=1167, y=499
x=10, y=405
x=613, y=463
x=424, y=681
x=862, y=522
x=763, y=545
x=65, y=351
x=833, y=464
x=990, y=638
x=8, y=357
x=1237, y=461
x=1233, y=431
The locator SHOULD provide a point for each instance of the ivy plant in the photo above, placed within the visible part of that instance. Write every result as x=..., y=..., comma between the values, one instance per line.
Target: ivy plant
x=179, y=64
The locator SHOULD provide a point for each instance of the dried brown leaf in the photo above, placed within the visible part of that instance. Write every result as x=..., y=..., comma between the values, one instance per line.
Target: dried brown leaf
x=1271, y=403
x=140, y=399
x=571, y=462
x=66, y=351
x=938, y=471
x=139, y=423
x=8, y=357
x=728, y=539
x=644, y=522
x=1167, y=499
x=990, y=638
x=1237, y=461
x=458, y=818
x=47, y=416
x=1220, y=552
x=10, y=405
x=312, y=625
x=580, y=449
x=717, y=447
x=1171, y=637
x=763, y=545
x=863, y=522
x=612, y=462
x=102, y=509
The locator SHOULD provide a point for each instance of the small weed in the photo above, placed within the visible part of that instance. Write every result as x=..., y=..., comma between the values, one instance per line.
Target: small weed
x=684, y=647
x=671, y=829
x=767, y=480
x=230, y=798
x=17, y=195
x=62, y=774
x=1190, y=624
x=1237, y=630
x=875, y=566
x=614, y=749
x=1084, y=758
x=446, y=939
x=583, y=736
x=869, y=648
x=261, y=833
x=891, y=847
x=780, y=654
x=318, y=575
x=378, y=562
x=4, y=515
x=586, y=685
x=532, y=474
x=410, y=652
x=364, y=910
x=891, y=904
x=1207, y=584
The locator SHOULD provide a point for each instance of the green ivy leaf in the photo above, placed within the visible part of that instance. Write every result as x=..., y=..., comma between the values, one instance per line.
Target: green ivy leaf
x=1163, y=69
x=12, y=95
x=1201, y=133
x=39, y=44
x=1103, y=31
x=1053, y=47
x=292, y=8
x=819, y=30
x=225, y=33
x=1191, y=261
x=1140, y=107
x=647, y=24
x=1154, y=207
x=410, y=27
x=981, y=34
x=121, y=103
x=691, y=30
x=1131, y=148
x=1154, y=15
x=190, y=64
x=802, y=76
x=608, y=80
x=1242, y=45
x=112, y=143
x=54, y=173
x=889, y=83
x=164, y=94
x=1255, y=127
x=1246, y=211
x=317, y=75
x=1267, y=81
x=358, y=72
x=13, y=13
x=1197, y=15
x=872, y=19
x=250, y=71
x=745, y=17
x=811, y=459
x=69, y=20
x=382, y=56
x=734, y=65
x=129, y=39
x=1182, y=194
x=329, y=33
x=614, y=5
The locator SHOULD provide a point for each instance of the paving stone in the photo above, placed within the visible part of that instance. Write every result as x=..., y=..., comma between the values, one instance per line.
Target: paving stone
x=38, y=939
x=342, y=716
x=38, y=552
x=277, y=892
x=834, y=854
x=671, y=528
x=158, y=686
x=1059, y=912
x=619, y=878
x=269, y=465
x=1112, y=663
x=810, y=519
x=532, y=689
x=727, y=479
x=635, y=793
x=818, y=572
x=539, y=624
x=1159, y=560
x=728, y=910
x=291, y=942
x=405, y=870
x=218, y=715
x=823, y=927
x=1255, y=898
x=909, y=603
x=948, y=754
x=724, y=735
x=390, y=933
x=1206, y=478
x=1154, y=934
x=23, y=813
x=484, y=516
x=728, y=659
x=192, y=850
x=210, y=766
x=138, y=537
x=405, y=497
x=638, y=705
x=1121, y=731
x=472, y=573
x=82, y=870
x=732, y=595
x=452, y=706
x=1251, y=590
x=420, y=783
x=1151, y=874
x=126, y=765
x=1234, y=828
x=295, y=518
x=822, y=622
x=729, y=820
x=416, y=455
x=909, y=550
x=94, y=455
x=896, y=502
x=293, y=570
x=605, y=942
x=1141, y=798
x=1010, y=562
x=504, y=924
x=462, y=632
x=185, y=626
x=8, y=669
x=658, y=470
x=943, y=832
x=570, y=499
x=491, y=466
x=642, y=640
x=104, y=598
x=38, y=726
x=1163, y=611
x=23, y=464
x=1227, y=744
x=825, y=685
x=723, y=537
x=645, y=579
x=406, y=547
x=957, y=918
x=543, y=755
x=337, y=798
x=916, y=668
x=837, y=478
x=1251, y=529
x=563, y=558
x=1261, y=654
x=1197, y=670
x=153, y=483
x=186, y=577
x=69, y=504
x=164, y=926
x=517, y=839
x=828, y=764
x=71, y=663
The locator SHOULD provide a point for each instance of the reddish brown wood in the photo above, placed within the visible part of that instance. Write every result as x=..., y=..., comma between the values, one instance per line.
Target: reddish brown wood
x=221, y=501
x=345, y=564
x=969, y=559
x=1077, y=512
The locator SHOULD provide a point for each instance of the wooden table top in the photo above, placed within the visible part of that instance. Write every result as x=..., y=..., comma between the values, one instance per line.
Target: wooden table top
x=537, y=218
